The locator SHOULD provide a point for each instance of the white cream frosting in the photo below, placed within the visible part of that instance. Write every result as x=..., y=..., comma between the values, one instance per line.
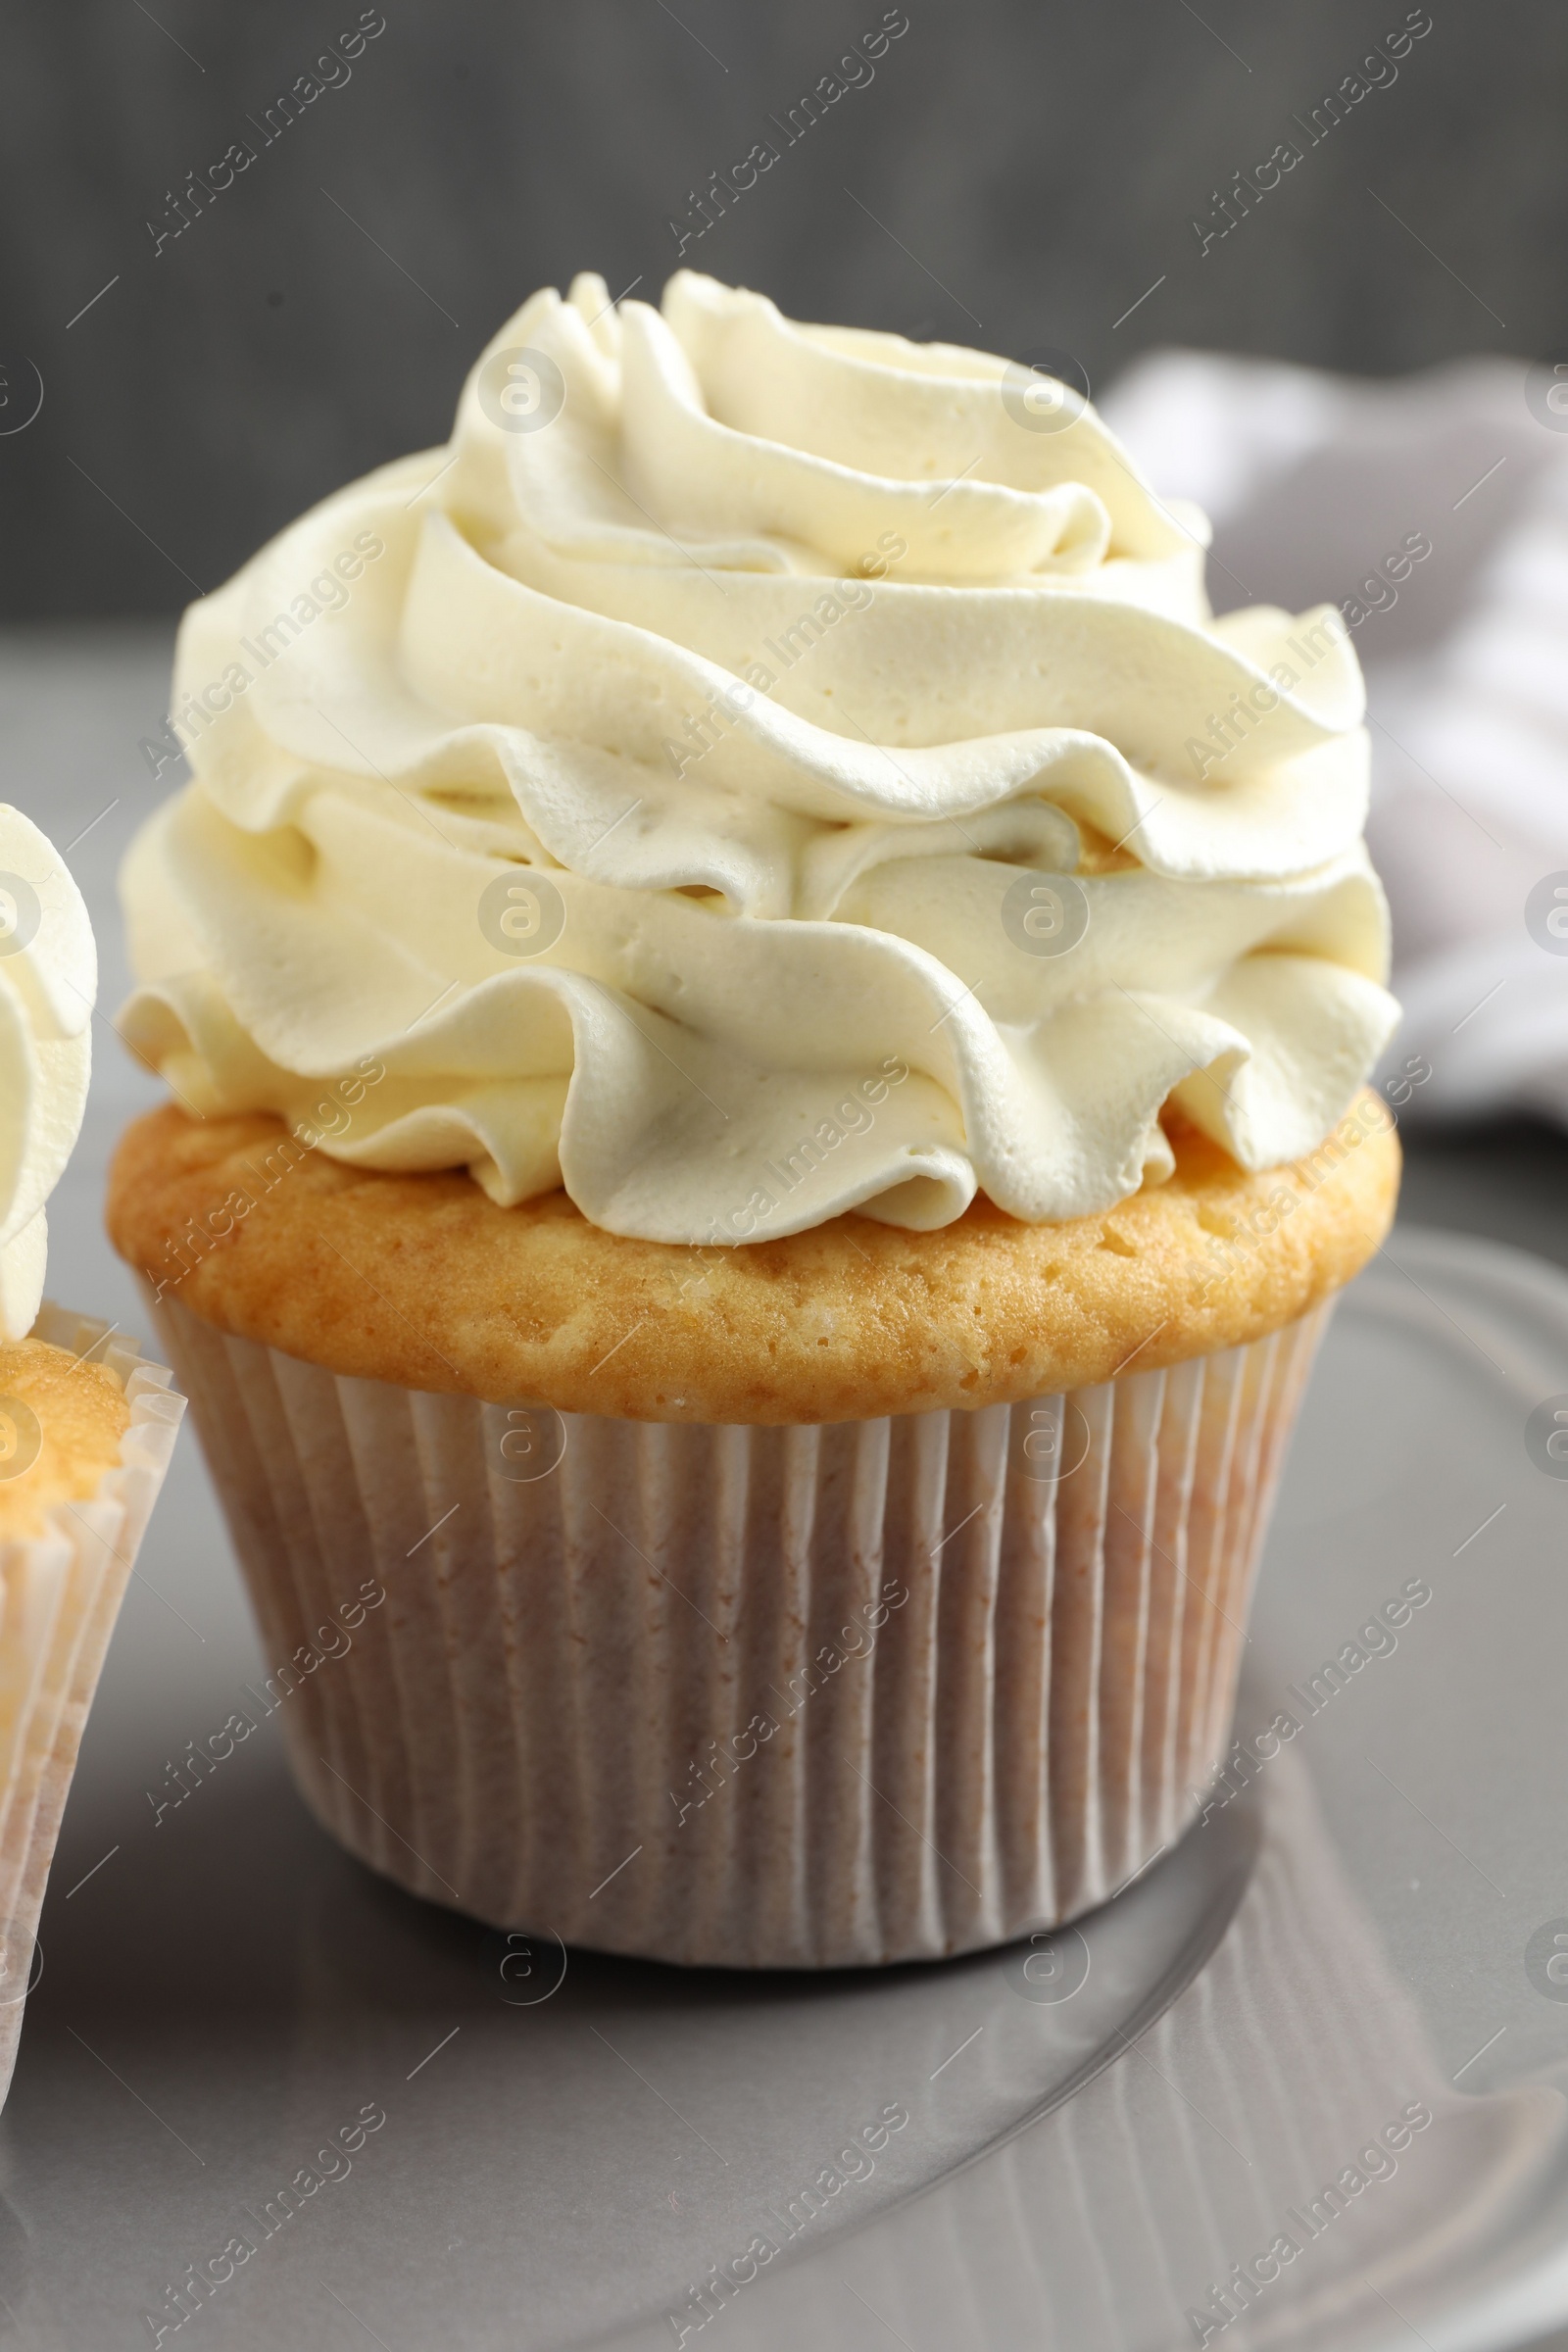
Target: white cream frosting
x=769, y=659
x=48, y=980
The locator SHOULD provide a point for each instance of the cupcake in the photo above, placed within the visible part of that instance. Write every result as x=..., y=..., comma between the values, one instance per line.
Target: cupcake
x=86, y=1425
x=770, y=1023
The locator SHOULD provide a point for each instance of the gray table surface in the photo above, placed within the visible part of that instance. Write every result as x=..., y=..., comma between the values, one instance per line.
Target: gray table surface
x=121, y=1944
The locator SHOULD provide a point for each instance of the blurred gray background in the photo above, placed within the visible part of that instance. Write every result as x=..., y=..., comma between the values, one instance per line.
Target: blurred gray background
x=1017, y=172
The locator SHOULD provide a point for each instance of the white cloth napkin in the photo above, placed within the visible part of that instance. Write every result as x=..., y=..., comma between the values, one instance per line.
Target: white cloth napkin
x=1314, y=481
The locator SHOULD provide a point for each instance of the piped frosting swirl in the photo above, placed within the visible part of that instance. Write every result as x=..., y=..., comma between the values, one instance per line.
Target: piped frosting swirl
x=48, y=980
x=754, y=772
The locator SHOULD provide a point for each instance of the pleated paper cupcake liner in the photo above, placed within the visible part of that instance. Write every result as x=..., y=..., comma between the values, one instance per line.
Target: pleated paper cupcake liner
x=60, y=1593
x=807, y=1697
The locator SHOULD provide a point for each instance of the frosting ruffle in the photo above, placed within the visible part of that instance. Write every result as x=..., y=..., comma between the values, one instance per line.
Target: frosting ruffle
x=48, y=980
x=754, y=772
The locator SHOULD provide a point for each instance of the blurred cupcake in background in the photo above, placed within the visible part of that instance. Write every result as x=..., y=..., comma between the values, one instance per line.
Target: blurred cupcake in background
x=769, y=1018
x=87, y=1427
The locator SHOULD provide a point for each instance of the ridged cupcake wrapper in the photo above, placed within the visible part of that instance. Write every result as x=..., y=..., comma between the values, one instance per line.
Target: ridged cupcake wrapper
x=60, y=1593
x=753, y=1697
